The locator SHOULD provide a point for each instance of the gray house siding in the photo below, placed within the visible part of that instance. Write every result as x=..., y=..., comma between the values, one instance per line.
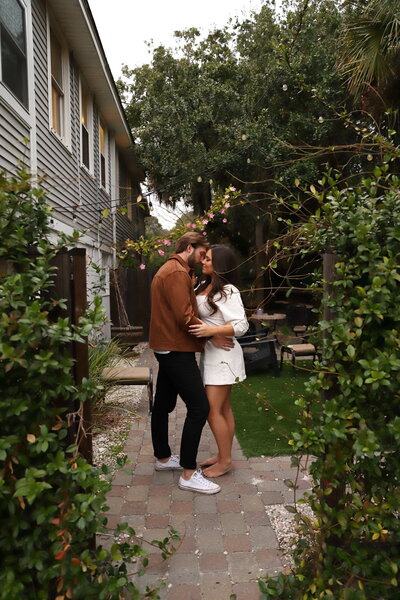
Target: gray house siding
x=14, y=140
x=130, y=224
x=124, y=228
x=55, y=163
x=75, y=193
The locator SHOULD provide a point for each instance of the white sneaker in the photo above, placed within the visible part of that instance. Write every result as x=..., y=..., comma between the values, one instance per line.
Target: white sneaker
x=172, y=464
x=198, y=483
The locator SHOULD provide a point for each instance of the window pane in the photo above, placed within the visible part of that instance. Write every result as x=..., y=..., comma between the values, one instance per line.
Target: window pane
x=56, y=61
x=12, y=17
x=103, y=170
x=84, y=110
x=122, y=187
x=13, y=65
x=56, y=100
x=85, y=146
x=102, y=138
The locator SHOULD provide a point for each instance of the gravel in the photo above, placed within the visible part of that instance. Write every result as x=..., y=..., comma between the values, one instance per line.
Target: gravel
x=284, y=524
x=120, y=408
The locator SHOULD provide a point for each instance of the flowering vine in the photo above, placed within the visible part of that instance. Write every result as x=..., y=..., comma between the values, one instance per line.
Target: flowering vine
x=147, y=248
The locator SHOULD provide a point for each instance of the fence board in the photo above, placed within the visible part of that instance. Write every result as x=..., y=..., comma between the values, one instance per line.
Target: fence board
x=134, y=289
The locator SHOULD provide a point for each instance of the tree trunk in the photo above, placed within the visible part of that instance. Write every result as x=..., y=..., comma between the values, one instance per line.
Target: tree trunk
x=201, y=197
x=259, y=262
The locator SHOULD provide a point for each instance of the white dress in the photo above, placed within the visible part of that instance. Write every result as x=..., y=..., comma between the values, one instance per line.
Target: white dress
x=217, y=366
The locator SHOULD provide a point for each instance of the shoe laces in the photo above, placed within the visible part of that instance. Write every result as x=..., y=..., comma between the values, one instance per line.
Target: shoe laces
x=198, y=474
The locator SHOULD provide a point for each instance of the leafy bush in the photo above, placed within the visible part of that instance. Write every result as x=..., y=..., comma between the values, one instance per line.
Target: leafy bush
x=351, y=551
x=52, y=502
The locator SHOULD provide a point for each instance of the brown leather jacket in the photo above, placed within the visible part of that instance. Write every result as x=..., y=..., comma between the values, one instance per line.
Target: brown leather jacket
x=173, y=308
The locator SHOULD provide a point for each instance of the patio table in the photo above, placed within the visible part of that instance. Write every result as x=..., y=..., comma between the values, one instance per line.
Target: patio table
x=269, y=318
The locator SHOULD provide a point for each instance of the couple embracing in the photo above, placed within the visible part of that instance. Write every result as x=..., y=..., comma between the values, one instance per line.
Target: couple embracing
x=183, y=322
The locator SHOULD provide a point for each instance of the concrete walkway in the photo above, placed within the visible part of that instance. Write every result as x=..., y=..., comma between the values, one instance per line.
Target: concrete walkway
x=227, y=539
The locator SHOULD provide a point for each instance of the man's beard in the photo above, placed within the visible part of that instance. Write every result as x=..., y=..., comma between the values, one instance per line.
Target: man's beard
x=191, y=261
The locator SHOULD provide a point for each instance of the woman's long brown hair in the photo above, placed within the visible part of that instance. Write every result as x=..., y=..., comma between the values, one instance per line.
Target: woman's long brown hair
x=225, y=271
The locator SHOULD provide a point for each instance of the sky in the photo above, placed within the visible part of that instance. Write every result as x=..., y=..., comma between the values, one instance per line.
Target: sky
x=125, y=26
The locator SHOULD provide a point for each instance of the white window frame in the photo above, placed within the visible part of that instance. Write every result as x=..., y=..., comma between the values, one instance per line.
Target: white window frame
x=65, y=134
x=6, y=95
x=104, y=185
x=84, y=91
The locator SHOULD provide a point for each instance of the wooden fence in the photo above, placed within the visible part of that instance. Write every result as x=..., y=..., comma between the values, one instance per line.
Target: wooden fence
x=69, y=282
x=131, y=287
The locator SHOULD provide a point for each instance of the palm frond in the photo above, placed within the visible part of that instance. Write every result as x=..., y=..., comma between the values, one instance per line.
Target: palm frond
x=370, y=45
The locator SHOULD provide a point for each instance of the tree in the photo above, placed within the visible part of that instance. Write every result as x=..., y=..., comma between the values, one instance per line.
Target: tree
x=256, y=103
x=238, y=103
x=179, y=108
x=153, y=227
x=371, y=54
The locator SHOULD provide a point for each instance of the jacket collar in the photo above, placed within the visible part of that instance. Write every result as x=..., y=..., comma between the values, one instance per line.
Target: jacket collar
x=180, y=261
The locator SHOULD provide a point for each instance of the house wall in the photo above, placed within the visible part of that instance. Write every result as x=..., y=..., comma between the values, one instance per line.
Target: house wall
x=72, y=190
x=14, y=138
x=75, y=193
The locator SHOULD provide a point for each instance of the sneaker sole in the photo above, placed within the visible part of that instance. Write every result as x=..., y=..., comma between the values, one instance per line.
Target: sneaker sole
x=168, y=468
x=200, y=491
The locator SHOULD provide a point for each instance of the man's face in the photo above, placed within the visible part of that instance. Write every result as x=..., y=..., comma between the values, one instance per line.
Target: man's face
x=197, y=256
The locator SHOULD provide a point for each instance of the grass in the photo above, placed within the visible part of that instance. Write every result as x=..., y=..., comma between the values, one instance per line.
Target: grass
x=259, y=403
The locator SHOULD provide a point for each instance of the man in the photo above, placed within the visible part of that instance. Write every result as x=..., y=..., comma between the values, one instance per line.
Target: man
x=173, y=310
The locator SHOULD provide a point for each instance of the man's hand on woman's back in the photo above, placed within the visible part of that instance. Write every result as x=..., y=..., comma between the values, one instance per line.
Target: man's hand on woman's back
x=223, y=342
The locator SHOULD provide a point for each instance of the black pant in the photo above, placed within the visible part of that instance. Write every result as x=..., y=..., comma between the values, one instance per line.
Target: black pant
x=179, y=374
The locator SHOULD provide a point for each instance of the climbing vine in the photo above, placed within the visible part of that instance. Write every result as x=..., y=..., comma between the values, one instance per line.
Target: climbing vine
x=145, y=250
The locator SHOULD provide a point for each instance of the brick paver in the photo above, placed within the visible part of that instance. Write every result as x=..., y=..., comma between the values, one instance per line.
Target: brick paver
x=227, y=539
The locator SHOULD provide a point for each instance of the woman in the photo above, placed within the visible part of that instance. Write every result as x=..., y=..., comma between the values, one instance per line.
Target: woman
x=222, y=313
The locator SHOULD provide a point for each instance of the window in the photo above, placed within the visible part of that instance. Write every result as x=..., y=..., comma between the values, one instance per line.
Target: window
x=57, y=86
x=123, y=186
x=103, y=154
x=85, y=128
x=58, y=82
x=13, y=49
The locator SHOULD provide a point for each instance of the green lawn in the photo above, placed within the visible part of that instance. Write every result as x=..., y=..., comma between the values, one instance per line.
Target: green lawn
x=257, y=404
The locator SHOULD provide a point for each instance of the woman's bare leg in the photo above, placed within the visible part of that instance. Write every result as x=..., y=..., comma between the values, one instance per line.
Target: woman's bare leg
x=221, y=421
x=228, y=414
x=230, y=419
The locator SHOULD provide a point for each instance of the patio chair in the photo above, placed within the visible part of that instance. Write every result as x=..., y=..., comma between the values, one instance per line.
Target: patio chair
x=297, y=351
x=259, y=353
x=300, y=319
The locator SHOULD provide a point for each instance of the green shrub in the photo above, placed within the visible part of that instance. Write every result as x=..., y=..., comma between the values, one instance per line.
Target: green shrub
x=351, y=551
x=52, y=502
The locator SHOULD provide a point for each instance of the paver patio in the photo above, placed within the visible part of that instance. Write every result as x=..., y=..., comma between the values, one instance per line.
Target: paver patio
x=227, y=538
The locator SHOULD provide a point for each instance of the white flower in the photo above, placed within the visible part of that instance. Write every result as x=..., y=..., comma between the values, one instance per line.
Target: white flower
x=284, y=87
x=321, y=119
